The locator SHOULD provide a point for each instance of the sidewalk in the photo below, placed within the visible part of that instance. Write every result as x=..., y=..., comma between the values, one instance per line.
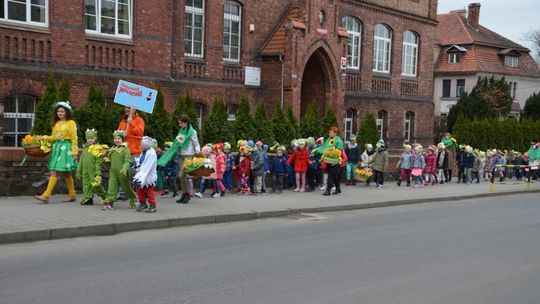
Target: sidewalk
x=25, y=219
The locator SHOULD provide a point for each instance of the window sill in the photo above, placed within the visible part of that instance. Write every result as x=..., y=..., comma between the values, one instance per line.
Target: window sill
x=196, y=60
x=381, y=74
x=353, y=71
x=111, y=39
x=232, y=64
x=409, y=78
x=449, y=98
x=25, y=27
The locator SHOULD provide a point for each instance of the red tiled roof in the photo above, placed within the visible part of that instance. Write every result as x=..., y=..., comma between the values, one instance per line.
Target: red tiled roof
x=485, y=50
x=276, y=43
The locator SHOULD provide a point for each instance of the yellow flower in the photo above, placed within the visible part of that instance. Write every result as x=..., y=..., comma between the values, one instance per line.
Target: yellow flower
x=97, y=181
x=97, y=150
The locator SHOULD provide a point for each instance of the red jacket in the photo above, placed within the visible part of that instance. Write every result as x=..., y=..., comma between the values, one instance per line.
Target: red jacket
x=134, y=133
x=245, y=166
x=431, y=163
x=220, y=165
x=300, y=159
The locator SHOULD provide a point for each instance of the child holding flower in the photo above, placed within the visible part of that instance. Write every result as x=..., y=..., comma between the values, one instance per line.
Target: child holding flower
x=89, y=168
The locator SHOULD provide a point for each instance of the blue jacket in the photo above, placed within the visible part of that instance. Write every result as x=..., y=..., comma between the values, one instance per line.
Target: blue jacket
x=405, y=160
x=229, y=161
x=279, y=165
x=468, y=160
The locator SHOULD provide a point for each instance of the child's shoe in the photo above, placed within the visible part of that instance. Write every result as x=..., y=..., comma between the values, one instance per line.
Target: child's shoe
x=222, y=194
x=303, y=190
x=296, y=189
x=216, y=195
x=151, y=209
x=142, y=207
x=198, y=194
x=175, y=195
x=107, y=207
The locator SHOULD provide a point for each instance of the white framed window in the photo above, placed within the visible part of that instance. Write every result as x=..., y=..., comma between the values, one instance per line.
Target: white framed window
x=382, y=120
x=350, y=118
x=232, y=109
x=232, y=23
x=381, y=49
x=108, y=17
x=410, y=54
x=408, y=129
x=194, y=29
x=511, y=61
x=460, y=87
x=200, y=108
x=453, y=58
x=31, y=12
x=19, y=112
x=354, y=28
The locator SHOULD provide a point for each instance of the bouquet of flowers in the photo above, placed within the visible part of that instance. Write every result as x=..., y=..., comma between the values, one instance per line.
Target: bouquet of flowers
x=363, y=174
x=198, y=166
x=332, y=156
x=35, y=145
x=98, y=150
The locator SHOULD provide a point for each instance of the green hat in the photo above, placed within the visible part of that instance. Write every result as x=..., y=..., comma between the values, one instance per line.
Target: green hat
x=353, y=137
x=119, y=133
x=90, y=134
x=64, y=104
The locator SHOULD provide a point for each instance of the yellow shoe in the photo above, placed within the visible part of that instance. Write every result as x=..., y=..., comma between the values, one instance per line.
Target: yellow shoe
x=42, y=198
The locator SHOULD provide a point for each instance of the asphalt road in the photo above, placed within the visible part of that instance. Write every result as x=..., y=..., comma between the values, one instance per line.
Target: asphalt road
x=476, y=251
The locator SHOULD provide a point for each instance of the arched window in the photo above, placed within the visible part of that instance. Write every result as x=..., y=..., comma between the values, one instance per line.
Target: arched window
x=232, y=22
x=381, y=49
x=18, y=118
x=382, y=124
x=410, y=54
x=354, y=28
x=349, y=123
x=194, y=28
x=408, y=130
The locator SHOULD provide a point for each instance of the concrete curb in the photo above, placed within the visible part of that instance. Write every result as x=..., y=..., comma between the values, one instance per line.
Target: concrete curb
x=110, y=229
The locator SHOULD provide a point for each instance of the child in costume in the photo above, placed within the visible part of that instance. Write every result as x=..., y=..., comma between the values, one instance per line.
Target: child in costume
x=431, y=166
x=264, y=152
x=210, y=158
x=64, y=151
x=379, y=164
x=89, y=168
x=488, y=165
x=404, y=165
x=468, y=164
x=353, y=157
x=314, y=173
x=278, y=169
x=257, y=169
x=229, y=167
x=332, y=146
x=300, y=160
x=478, y=167
x=120, y=159
x=244, y=170
x=146, y=176
x=220, y=168
x=366, y=158
x=418, y=164
x=442, y=163
x=170, y=173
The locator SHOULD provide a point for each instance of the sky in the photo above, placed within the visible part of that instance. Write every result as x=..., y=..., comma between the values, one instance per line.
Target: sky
x=511, y=19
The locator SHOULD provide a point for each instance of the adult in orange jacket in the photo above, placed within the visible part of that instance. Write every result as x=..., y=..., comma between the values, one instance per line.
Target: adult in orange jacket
x=134, y=126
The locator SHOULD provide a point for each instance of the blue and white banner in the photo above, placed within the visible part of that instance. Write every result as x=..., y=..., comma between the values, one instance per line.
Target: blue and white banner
x=136, y=96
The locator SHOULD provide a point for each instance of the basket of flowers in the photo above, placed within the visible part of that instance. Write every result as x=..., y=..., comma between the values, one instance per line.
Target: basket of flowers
x=332, y=156
x=36, y=146
x=362, y=175
x=198, y=166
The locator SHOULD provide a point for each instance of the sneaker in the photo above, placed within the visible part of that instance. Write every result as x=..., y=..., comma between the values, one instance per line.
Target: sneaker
x=198, y=194
x=107, y=207
x=322, y=188
x=175, y=195
x=302, y=190
x=222, y=194
x=296, y=189
x=142, y=207
x=216, y=195
x=151, y=209
x=379, y=187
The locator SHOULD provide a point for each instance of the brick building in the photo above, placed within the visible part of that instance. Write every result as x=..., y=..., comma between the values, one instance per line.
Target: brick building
x=355, y=56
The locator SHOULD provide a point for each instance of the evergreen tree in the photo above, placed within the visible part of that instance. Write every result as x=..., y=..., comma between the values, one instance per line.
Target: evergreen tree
x=64, y=91
x=42, y=120
x=158, y=124
x=184, y=105
x=243, y=125
x=532, y=107
x=262, y=127
x=329, y=120
x=91, y=116
x=292, y=123
x=310, y=124
x=216, y=126
x=280, y=128
x=367, y=133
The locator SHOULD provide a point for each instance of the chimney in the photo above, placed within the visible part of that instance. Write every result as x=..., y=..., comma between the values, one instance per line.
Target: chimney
x=473, y=16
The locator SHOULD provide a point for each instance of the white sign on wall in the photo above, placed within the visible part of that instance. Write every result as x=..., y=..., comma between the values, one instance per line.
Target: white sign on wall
x=252, y=76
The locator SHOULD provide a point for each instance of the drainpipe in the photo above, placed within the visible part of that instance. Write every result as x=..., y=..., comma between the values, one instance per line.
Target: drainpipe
x=282, y=76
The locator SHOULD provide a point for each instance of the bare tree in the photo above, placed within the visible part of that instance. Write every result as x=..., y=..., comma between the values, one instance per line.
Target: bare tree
x=533, y=36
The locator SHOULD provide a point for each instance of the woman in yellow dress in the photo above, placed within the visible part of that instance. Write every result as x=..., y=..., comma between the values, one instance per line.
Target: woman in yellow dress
x=64, y=151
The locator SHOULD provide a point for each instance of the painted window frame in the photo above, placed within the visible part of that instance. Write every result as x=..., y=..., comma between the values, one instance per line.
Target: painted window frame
x=382, y=49
x=460, y=87
x=229, y=21
x=454, y=58
x=511, y=61
x=408, y=126
x=382, y=124
x=354, y=46
x=98, y=17
x=446, y=89
x=44, y=12
x=348, y=124
x=409, y=65
x=18, y=115
x=191, y=12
